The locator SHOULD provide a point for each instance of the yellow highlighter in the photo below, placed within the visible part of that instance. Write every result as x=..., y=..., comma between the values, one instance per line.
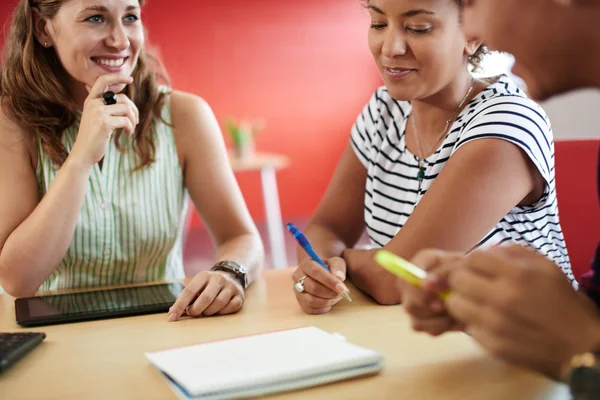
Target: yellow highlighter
x=405, y=270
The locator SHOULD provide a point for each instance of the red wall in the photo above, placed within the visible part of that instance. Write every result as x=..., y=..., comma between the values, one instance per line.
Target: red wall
x=6, y=8
x=303, y=65
x=578, y=199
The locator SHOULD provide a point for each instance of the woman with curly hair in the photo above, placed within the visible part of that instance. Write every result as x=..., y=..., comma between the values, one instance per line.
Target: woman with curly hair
x=96, y=161
x=437, y=158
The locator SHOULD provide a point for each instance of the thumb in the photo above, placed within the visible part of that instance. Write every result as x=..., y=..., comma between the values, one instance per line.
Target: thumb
x=437, y=280
x=337, y=266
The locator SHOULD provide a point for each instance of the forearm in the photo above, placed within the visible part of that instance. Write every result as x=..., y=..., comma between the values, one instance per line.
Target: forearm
x=370, y=277
x=35, y=249
x=381, y=286
x=246, y=250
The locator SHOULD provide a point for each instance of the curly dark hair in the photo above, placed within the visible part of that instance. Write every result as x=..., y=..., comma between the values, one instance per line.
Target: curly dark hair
x=476, y=59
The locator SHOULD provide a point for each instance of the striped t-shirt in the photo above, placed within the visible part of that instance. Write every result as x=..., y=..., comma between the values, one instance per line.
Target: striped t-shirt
x=501, y=111
x=130, y=227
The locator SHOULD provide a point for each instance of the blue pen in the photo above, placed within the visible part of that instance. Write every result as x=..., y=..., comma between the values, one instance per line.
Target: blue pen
x=306, y=246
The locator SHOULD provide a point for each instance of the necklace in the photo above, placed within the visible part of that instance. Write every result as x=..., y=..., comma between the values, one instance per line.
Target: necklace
x=421, y=157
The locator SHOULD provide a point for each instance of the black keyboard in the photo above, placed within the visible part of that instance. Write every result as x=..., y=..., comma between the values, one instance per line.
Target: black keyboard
x=13, y=346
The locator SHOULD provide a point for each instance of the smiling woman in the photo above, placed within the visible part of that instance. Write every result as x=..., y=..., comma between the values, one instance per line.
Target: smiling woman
x=67, y=52
x=437, y=158
x=97, y=159
x=475, y=59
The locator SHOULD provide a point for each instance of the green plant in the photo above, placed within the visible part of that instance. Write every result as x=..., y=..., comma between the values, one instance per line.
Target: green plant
x=243, y=132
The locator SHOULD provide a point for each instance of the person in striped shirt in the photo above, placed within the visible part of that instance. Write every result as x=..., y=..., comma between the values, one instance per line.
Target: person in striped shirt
x=437, y=158
x=94, y=193
x=511, y=300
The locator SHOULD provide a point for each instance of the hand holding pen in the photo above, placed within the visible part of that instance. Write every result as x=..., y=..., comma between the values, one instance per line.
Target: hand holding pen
x=318, y=284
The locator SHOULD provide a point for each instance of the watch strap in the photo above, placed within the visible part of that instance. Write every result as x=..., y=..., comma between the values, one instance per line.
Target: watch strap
x=237, y=270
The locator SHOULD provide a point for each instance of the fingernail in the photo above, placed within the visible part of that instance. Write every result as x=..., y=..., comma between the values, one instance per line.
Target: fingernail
x=347, y=296
x=341, y=288
x=172, y=317
x=339, y=275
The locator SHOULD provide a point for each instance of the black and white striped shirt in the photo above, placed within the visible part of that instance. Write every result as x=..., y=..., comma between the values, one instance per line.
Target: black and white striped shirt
x=501, y=111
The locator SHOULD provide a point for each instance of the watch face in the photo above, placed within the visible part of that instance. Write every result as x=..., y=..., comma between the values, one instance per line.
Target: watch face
x=236, y=269
x=231, y=266
x=585, y=383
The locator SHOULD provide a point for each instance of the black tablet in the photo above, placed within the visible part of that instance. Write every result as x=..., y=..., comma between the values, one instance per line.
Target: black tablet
x=99, y=304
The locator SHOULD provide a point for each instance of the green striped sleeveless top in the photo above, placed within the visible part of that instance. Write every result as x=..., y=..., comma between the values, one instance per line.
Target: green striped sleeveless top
x=131, y=224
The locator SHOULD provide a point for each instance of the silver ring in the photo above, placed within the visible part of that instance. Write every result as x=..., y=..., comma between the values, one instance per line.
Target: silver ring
x=299, y=286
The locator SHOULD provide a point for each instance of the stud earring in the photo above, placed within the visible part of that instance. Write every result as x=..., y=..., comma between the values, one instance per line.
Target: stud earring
x=45, y=44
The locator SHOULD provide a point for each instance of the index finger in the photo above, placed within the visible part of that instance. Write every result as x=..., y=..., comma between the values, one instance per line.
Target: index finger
x=105, y=81
x=189, y=293
x=337, y=266
x=321, y=275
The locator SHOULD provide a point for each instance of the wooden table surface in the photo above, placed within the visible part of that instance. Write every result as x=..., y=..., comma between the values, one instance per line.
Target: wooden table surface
x=105, y=359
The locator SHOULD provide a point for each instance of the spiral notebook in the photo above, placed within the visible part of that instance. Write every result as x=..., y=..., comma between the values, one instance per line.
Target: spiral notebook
x=263, y=364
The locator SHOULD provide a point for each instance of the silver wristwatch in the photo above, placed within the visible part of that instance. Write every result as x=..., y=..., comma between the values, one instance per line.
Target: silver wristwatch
x=234, y=268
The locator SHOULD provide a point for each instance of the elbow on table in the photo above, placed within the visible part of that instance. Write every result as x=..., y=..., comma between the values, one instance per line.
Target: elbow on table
x=16, y=286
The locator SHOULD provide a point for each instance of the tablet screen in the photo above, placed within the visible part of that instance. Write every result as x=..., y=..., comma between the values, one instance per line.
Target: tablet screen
x=98, y=304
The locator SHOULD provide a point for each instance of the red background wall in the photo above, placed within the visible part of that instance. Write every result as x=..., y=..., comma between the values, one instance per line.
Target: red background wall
x=576, y=162
x=303, y=65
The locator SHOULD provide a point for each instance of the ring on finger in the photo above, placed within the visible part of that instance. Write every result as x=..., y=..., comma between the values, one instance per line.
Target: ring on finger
x=299, y=286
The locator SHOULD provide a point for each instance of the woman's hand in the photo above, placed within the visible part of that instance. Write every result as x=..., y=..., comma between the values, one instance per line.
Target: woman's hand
x=322, y=289
x=99, y=121
x=209, y=293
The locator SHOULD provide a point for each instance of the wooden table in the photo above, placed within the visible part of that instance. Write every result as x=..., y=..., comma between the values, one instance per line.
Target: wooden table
x=105, y=359
x=268, y=164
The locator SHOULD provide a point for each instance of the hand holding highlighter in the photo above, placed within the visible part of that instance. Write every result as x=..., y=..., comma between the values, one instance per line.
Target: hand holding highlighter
x=405, y=270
